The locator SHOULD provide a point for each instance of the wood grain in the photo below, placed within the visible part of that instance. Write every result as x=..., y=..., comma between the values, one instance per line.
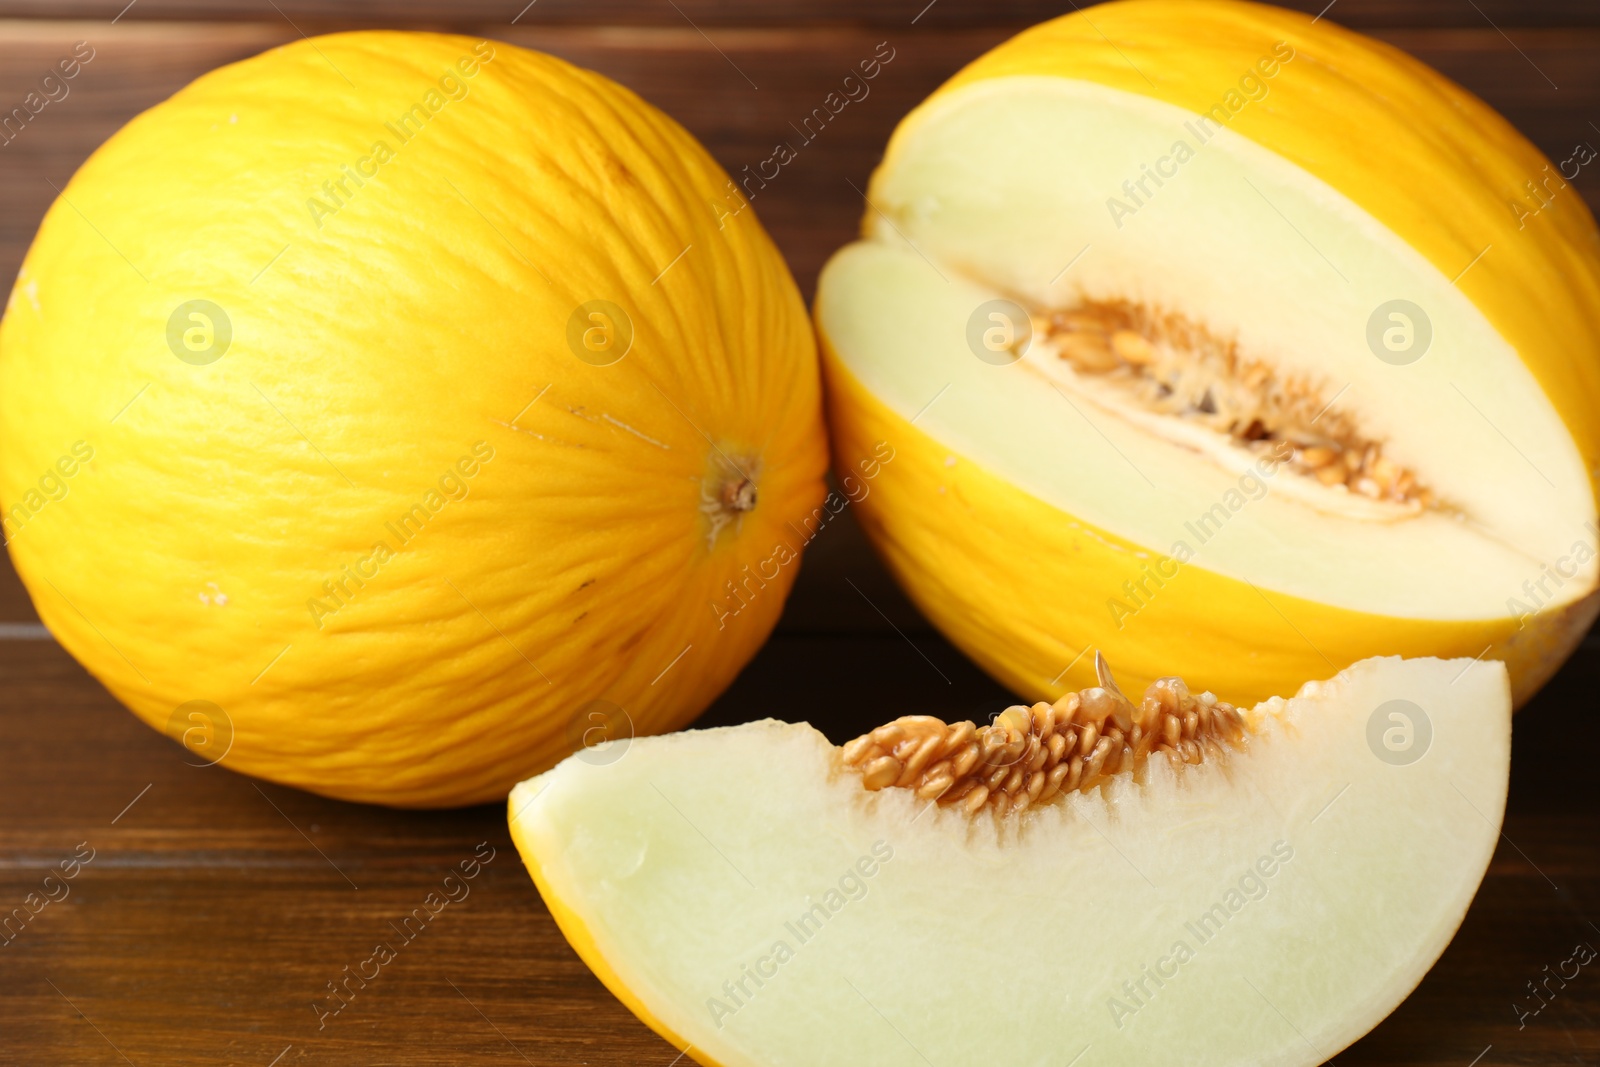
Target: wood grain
x=322, y=14
x=216, y=909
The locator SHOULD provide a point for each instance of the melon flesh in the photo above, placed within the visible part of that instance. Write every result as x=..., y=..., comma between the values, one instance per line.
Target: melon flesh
x=742, y=893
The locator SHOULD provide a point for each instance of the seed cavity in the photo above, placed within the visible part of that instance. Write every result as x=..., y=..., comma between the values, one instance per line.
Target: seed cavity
x=1034, y=755
x=1168, y=365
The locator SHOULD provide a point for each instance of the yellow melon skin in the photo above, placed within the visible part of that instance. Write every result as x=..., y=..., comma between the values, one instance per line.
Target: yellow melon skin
x=402, y=371
x=1022, y=587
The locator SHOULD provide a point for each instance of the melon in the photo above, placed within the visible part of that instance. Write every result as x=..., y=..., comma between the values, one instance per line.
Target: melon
x=388, y=414
x=1161, y=879
x=1231, y=342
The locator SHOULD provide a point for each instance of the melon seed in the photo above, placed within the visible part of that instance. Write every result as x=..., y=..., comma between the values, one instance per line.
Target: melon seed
x=1206, y=380
x=1032, y=756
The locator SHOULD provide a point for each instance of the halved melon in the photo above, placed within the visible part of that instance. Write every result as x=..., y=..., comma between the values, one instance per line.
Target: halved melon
x=1239, y=345
x=1172, y=881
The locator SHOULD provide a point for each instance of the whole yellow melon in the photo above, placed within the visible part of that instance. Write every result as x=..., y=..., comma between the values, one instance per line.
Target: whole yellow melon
x=1230, y=342
x=390, y=414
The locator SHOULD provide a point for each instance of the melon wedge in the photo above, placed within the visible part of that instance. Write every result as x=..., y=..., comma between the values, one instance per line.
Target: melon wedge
x=1264, y=899
x=1302, y=363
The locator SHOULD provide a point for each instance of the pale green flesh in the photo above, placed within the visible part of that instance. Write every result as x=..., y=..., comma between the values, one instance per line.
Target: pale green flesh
x=998, y=188
x=976, y=944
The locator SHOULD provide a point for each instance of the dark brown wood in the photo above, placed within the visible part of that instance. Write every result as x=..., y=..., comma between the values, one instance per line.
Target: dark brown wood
x=216, y=909
x=322, y=14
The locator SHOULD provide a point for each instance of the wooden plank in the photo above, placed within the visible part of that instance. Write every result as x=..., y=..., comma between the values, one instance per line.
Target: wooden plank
x=323, y=14
x=215, y=911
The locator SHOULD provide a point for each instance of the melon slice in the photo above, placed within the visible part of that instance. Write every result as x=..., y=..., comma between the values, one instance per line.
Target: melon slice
x=1177, y=312
x=1200, y=884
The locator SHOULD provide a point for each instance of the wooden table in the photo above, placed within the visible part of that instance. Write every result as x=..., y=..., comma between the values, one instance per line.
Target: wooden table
x=216, y=909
